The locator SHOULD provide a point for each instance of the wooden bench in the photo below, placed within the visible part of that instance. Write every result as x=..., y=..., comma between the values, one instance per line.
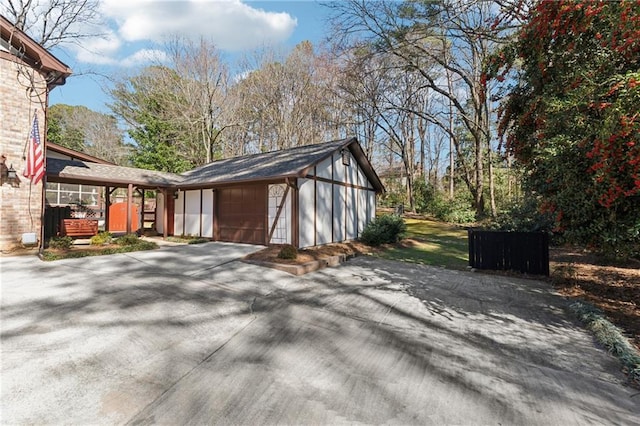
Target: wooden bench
x=79, y=227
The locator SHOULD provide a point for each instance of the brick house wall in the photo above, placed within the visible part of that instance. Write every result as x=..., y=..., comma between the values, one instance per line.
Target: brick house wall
x=21, y=203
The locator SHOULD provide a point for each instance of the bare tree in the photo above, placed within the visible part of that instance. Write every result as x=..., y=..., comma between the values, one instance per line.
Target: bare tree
x=199, y=95
x=456, y=36
x=52, y=22
x=285, y=101
x=182, y=103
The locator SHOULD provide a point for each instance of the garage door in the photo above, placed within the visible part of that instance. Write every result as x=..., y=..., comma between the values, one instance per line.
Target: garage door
x=242, y=214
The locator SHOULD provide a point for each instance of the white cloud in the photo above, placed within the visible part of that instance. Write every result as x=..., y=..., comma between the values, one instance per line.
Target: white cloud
x=144, y=56
x=231, y=24
x=99, y=49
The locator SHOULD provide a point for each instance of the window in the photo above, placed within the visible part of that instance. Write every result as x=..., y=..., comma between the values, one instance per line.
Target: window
x=66, y=193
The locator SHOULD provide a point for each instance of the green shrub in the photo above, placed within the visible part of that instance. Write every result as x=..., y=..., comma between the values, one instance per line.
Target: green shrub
x=437, y=204
x=385, y=229
x=523, y=216
x=128, y=240
x=102, y=238
x=288, y=252
x=61, y=243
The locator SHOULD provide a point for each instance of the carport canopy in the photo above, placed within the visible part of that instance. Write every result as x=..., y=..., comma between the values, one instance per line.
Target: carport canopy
x=110, y=176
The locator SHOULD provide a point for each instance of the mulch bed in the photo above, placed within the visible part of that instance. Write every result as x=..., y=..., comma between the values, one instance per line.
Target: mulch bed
x=270, y=254
x=614, y=288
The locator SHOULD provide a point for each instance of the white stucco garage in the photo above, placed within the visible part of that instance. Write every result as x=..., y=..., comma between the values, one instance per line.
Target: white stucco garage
x=305, y=196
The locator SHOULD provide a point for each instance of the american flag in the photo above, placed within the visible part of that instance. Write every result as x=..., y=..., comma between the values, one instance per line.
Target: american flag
x=35, y=161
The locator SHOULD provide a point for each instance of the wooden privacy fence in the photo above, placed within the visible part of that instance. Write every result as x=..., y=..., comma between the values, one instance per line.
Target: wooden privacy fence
x=527, y=252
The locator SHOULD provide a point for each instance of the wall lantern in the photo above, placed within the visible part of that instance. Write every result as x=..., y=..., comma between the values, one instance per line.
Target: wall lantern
x=7, y=175
x=176, y=194
x=346, y=158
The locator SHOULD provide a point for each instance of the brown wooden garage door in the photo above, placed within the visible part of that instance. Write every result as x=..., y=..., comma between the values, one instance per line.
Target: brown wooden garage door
x=241, y=214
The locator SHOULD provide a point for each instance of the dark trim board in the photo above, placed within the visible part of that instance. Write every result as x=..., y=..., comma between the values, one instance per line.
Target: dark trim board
x=336, y=182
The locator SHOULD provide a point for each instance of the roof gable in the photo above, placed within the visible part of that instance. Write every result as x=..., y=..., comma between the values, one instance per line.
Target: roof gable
x=294, y=162
x=288, y=163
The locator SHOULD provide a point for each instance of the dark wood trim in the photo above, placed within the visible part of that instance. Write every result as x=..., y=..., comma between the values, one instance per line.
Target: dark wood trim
x=346, y=197
x=357, y=202
x=200, y=213
x=76, y=155
x=337, y=182
x=265, y=217
x=216, y=222
x=295, y=227
x=184, y=211
x=165, y=214
x=107, y=205
x=43, y=60
x=142, y=215
x=245, y=182
x=213, y=213
x=117, y=183
x=275, y=221
x=333, y=238
x=315, y=206
x=129, y=206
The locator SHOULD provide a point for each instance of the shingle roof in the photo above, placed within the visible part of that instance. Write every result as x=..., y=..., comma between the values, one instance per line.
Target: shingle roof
x=292, y=162
x=263, y=166
x=107, y=173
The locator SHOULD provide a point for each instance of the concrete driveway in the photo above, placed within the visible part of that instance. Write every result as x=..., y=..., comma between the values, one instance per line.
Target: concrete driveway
x=188, y=335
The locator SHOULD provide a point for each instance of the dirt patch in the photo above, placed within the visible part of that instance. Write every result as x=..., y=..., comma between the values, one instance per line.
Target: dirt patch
x=270, y=254
x=614, y=288
x=20, y=251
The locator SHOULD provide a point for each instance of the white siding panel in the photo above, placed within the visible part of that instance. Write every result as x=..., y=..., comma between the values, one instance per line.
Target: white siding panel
x=323, y=214
x=371, y=205
x=324, y=168
x=192, y=213
x=207, y=213
x=160, y=212
x=306, y=196
x=178, y=215
x=339, y=217
x=352, y=231
x=338, y=167
x=362, y=179
x=362, y=209
x=352, y=170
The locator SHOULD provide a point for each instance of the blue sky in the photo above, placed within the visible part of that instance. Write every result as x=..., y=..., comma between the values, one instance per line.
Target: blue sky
x=133, y=33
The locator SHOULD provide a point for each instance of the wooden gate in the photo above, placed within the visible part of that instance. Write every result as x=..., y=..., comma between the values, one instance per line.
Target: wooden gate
x=527, y=252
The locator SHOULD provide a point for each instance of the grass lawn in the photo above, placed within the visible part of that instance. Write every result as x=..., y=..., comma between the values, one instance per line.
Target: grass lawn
x=431, y=243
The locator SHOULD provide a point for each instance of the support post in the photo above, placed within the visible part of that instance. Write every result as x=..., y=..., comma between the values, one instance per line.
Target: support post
x=142, y=215
x=107, y=204
x=129, y=206
x=165, y=213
